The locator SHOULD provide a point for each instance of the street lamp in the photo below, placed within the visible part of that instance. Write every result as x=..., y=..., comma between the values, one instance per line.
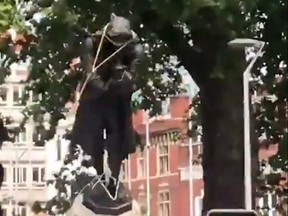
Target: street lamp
x=245, y=42
x=231, y=212
x=241, y=43
x=147, y=133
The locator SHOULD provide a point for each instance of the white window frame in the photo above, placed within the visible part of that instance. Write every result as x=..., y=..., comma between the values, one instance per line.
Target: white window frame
x=141, y=165
x=5, y=177
x=6, y=209
x=124, y=170
x=161, y=142
x=198, y=204
x=164, y=202
x=20, y=92
x=31, y=97
x=22, y=181
x=197, y=150
x=20, y=209
x=142, y=197
x=39, y=182
x=269, y=197
x=21, y=138
x=59, y=147
x=4, y=102
x=165, y=108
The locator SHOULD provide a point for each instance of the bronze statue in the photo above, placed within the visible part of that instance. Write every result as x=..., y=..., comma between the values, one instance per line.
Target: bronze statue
x=104, y=115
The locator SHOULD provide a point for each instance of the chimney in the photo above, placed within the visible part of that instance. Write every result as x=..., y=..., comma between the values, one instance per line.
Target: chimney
x=179, y=106
x=138, y=118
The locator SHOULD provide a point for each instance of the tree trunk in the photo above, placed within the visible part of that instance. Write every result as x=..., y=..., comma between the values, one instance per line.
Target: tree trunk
x=223, y=143
x=223, y=150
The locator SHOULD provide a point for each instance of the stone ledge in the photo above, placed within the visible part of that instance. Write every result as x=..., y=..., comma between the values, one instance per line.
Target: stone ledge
x=197, y=173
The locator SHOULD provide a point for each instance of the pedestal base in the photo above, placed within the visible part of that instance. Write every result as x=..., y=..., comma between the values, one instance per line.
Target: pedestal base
x=96, y=200
x=99, y=202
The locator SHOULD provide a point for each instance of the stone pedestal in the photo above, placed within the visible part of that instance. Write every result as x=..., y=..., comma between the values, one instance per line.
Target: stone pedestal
x=95, y=201
x=98, y=201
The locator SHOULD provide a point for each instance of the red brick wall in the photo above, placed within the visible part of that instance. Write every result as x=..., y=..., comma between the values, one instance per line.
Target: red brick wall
x=138, y=118
x=179, y=106
x=179, y=158
x=179, y=190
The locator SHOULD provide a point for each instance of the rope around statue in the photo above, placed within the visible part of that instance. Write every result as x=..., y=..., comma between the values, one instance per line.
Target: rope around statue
x=103, y=120
x=95, y=67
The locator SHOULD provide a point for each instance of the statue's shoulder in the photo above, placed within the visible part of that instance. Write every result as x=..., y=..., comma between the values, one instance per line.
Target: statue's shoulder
x=92, y=40
x=97, y=33
x=135, y=37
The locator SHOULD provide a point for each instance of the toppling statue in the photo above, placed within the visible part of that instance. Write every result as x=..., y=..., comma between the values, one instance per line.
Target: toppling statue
x=104, y=116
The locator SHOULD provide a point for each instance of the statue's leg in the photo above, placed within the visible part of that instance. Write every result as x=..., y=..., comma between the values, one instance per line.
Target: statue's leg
x=81, y=131
x=114, y=161
x=113, y=145
x=98, y=151
x=88, y=133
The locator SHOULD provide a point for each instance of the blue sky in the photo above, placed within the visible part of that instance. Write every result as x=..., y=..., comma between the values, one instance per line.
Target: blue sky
x=188, y=82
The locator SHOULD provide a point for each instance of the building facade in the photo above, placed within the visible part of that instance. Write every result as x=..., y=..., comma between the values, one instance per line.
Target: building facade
x=168, y=164
x=27, y=165
x=24, y=162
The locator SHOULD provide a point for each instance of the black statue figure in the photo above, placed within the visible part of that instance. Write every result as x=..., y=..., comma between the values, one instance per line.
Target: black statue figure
x=105, y=104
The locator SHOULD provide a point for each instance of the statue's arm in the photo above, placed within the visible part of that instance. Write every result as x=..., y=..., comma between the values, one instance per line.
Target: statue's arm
x=87, y=54
x=133, y=57
x=138, y=54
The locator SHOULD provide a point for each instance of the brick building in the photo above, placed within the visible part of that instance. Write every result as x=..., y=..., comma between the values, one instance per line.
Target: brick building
x=169, y=165
x=169, y=161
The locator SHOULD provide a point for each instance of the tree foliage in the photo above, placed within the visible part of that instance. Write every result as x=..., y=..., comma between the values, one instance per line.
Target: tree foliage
x=64, y=24
x=189, y=33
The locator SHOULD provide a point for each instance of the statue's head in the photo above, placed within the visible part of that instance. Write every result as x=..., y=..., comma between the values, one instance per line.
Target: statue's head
x=119, y=29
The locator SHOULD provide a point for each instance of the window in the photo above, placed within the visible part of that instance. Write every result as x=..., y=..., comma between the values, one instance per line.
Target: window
x=4, y=212
x=18, y=94
x=59, y=152
x=5, y=174
x=21, y=137
x=3, y=95
x=164, y=204
x=268, y=203
x=21, y=72
x=20, y=210
x=39, y=136
x=38, y=176
x=33, y=97
x=142, y=200
x=165, y=107
x=163, y=157
x=197, y=149
x=20, y=176
x=141, y=168
x=199, y=204
x=123, y=170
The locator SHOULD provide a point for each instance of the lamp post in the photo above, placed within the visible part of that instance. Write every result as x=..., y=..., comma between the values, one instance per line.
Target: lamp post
x=242, y=43
x=147, y=128
x=129, y=172
x=191, y=197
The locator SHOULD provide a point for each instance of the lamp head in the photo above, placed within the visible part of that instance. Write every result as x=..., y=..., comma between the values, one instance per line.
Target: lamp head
x=242, y=43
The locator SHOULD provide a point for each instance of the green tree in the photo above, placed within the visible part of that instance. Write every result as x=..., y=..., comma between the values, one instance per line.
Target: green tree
x=196, y=32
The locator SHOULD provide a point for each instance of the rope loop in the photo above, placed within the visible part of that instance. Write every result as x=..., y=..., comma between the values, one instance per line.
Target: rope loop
x=94, y=67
